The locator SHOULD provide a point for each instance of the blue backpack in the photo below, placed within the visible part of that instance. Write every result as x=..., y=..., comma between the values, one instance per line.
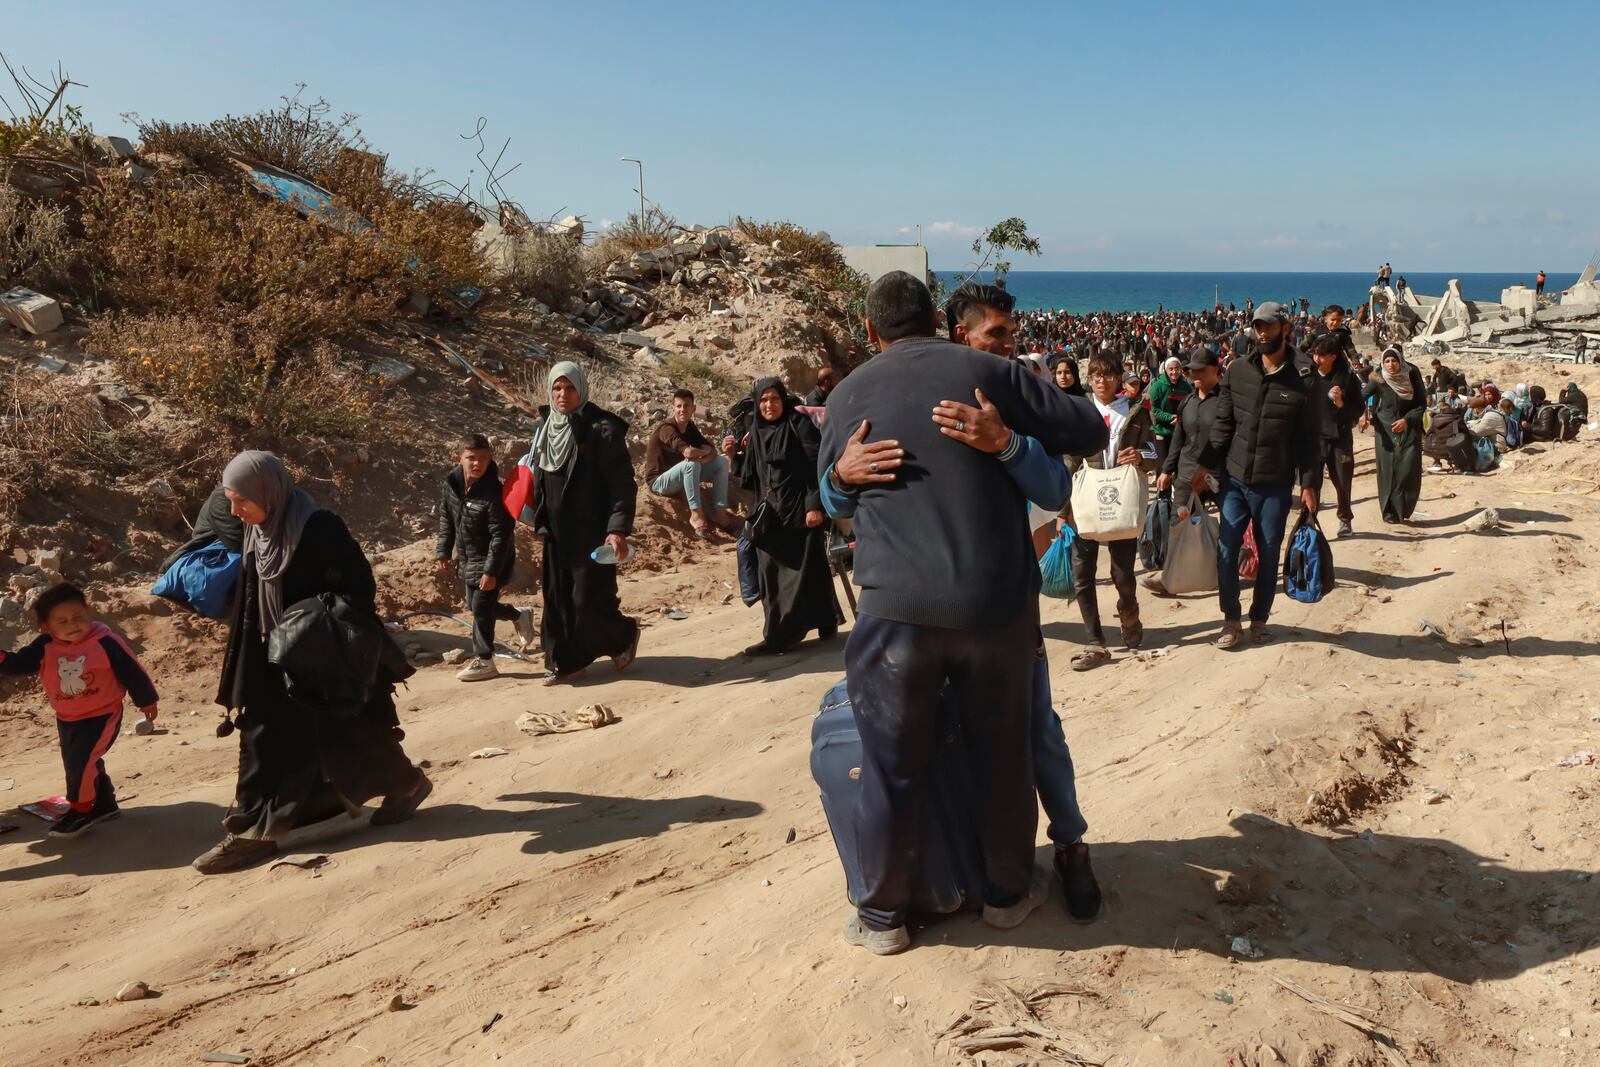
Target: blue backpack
x=1308, y=564
x=203, y=580
x=1055, y=567
x=1513, y=423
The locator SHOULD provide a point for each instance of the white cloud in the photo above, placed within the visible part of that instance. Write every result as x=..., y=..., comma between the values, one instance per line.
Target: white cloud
x=953, y=229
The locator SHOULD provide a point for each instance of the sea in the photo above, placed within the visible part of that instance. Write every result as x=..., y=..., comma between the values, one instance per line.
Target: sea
x=1083, y=291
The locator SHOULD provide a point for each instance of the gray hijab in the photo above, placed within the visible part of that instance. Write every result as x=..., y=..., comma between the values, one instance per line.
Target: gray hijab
x=1401, y=381
x=558, y=440
x=262, y=479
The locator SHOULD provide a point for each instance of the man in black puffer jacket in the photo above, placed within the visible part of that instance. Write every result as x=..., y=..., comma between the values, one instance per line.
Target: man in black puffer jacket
x=1265, y=435
x=474, y=523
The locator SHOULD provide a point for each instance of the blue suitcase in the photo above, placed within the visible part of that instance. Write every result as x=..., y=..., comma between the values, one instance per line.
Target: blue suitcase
x=951, y=877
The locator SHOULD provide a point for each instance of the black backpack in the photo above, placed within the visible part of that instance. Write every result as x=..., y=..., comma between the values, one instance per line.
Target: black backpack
x=1153, y=538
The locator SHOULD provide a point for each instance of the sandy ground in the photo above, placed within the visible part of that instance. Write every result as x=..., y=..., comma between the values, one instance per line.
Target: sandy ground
x=1379, y=810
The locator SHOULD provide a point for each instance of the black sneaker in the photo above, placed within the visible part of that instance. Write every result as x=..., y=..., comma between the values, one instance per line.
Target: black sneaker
x=1077, y=882
x=75, y=822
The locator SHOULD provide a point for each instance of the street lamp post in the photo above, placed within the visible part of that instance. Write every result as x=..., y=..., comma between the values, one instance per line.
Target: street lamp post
x=640, y=165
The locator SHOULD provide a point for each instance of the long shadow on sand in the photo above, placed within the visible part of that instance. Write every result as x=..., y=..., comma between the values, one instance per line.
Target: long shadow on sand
x=1374, y=902
x=152, y=837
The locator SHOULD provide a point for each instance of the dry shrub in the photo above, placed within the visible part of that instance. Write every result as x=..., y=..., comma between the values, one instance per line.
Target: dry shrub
x=640, y=233
x=200, y=144
x=47, y=427
x=234, y=382
x=36, y=246
x=546, y=265
x=219, y=252
x=814, y=250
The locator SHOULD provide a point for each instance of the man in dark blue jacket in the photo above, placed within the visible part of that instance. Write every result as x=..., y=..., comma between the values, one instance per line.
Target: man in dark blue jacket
x=950, y=590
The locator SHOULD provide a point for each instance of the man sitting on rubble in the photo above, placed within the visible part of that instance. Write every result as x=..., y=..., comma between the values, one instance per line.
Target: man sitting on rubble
x=678, y=459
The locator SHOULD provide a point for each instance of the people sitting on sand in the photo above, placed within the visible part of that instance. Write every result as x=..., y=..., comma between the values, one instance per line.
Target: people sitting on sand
x=1575, y=399
x=1486, y=421
x=678, y=460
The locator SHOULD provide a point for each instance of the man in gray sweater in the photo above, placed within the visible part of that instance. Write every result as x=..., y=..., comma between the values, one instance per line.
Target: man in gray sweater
x=949, y=591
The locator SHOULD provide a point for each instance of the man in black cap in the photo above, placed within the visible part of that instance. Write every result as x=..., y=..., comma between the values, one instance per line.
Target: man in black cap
x=1191, y=430
x=1264, y=437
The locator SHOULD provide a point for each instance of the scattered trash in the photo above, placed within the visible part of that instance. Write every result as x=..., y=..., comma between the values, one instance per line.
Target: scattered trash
x=900, y=1001
x=223, y=1057
x=219, y=974
x=1435, y=796
x=30, y=311
x=305, y=863
x=763, y=748
x=790, y=839
x=1487, y=519
x=766, y=883
x=1242, y=946
x=676, y=615
x=1223, y=995
x=489, y=753
x=1582, y=758
x=588, y=717
x=88, y=1002
x=727, y=598
x=1430, y=629
x=50, y=809
x=456, y=656
x=496, y=1017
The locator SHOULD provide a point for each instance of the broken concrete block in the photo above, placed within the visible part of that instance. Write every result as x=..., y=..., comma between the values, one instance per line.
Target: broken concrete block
x=717, y=340
x=31, y=311
x=636, y=340
x=112, y=149
x=1520, y=300
x=389, y=370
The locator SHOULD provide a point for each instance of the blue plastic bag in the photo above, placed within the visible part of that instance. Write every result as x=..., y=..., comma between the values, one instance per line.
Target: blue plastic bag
x=203, y=580
x=1055, y=566
x=749, y=573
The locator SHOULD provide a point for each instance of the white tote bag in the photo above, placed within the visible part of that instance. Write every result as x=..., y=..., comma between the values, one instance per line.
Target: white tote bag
x=1192, y=552
x=1109, y=505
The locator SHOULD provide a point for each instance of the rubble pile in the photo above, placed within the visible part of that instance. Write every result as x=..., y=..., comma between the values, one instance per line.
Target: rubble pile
x=1524, y=324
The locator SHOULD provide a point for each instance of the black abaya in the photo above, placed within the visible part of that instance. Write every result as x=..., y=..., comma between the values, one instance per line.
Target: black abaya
x=592, y=496
x=1399, y=455
x=299, y=765
x=780, y=467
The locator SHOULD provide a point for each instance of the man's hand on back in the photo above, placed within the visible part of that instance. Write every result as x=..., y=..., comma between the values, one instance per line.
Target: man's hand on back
x=981, y=426
x=868, y=464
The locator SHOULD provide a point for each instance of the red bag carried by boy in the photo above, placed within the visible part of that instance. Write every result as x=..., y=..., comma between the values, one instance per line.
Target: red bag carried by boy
x=519, y=494
x=1249, y=558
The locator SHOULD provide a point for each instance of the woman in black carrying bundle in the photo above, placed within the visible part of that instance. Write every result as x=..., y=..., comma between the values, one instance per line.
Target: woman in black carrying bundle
x=299, y=765
x=779, y=466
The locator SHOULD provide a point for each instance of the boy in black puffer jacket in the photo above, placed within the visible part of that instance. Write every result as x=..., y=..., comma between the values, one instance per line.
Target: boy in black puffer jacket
x=474, y=524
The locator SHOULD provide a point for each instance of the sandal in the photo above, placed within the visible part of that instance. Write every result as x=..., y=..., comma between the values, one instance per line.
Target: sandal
x=1259, y=635
x=1090, y=658
x=1232, y=635
x=624, y=661
x=563, y=679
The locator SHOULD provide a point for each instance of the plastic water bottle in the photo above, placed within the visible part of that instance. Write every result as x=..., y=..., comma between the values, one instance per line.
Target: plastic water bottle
x=607, y=555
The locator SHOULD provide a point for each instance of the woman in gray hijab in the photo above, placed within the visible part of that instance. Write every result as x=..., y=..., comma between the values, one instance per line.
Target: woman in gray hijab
x=585, y=499
x=297, y=764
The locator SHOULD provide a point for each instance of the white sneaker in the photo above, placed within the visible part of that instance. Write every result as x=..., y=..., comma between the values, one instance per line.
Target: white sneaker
x=479, y=670
x=526, y=631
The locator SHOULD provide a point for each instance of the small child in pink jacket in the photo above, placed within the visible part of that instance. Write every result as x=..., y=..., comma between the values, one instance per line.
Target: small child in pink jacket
x=87, y=671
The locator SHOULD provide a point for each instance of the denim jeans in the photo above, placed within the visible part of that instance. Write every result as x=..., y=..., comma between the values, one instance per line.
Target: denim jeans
x=1052, y=762
x=686, y=477
x=1268, y=507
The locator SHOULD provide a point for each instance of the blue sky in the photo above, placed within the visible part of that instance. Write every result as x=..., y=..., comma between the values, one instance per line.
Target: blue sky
x=1130, y=136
